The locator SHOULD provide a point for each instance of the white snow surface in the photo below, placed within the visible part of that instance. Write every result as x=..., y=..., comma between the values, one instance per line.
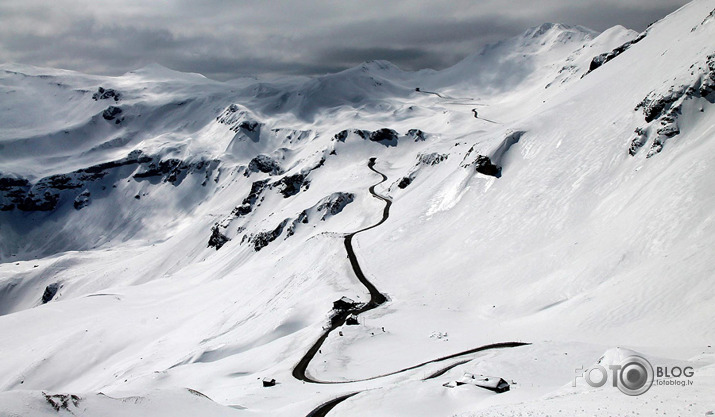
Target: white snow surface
x=578, y=248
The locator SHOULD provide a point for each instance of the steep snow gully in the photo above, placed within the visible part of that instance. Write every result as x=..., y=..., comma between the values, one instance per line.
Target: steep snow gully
x=376, y=299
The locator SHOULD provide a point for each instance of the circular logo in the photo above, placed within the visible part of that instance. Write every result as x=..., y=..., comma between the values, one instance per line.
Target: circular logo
x=636, y=376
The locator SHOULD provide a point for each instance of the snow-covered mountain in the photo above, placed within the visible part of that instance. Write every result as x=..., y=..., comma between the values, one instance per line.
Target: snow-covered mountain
x=168, y=241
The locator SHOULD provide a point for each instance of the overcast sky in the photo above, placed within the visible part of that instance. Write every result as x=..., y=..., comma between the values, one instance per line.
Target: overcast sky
x=224, y=39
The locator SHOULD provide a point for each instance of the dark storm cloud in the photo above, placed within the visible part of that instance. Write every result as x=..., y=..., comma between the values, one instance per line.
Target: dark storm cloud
x=228, y=39
x=408, y=58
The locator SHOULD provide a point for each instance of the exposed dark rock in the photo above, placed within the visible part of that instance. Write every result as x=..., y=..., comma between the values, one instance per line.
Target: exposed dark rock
x=111, y=113
x=172, y=170
x=269, y=382
x=106, y=93
x=383, y=135
x=82, y=200
x=12, y=192
x=9, y=183
x=404, y=182
x=292, y=184
x=655, y=105
x=231, y=116
x=433, y=158
x=638, y=141
x=62, y=401
x=599, y=60
x=39, y=202
x=707, y=84
x=249, y=126
x=335, y=203
x=134, y=157
x=50, y=292
x=265, y=164
x=666, y=107
x=59, y=182
x=484, y=165
x=341, y=136
x=669, y=127
x=710, y=17
x=352, y=320
x=256, y=189
x=242, y=210
x=302, y=218
x=45, y=194
x=362, y=133
x=319, y=164
x=262, y=239
x=416, y=134
x=217, y=239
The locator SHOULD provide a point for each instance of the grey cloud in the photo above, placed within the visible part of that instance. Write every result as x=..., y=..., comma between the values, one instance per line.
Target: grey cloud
x=228, y=39
x=601, y=17
x=408, y=58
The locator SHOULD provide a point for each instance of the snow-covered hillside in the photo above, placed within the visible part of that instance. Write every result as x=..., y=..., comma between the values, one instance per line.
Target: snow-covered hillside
x=168, y=241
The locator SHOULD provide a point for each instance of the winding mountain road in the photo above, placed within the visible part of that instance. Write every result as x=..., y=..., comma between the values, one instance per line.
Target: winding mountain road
x=376, y=299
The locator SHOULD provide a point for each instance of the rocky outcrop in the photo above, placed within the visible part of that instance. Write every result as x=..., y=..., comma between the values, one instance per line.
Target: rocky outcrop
x=48, y=192
x=326, y=207
x=171, y=170
x=217, y=239
x=641, y=136
x=291, y=185
x=384, y=136
x=661, y=110
x=265, y=164
x=250, y=201
x=416, y=134
x=261, y=239
x=112, y=113
x=247, y=126
x=341, y=136
x=106, y=94
x=50, y=292
x=82, y=200
x=600, y=60
x=334, y=204
x=174, y=170
x=404, y=182
x=12, y=192
x=240, y=120
x=46, y=201
x=423, y=159
x=302, y=218
x=63, y=402
x=484, y=166
x=433, y=158
x=100, y=170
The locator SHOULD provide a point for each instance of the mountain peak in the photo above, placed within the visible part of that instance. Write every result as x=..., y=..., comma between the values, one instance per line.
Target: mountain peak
x=157, y=71
x=546, y=28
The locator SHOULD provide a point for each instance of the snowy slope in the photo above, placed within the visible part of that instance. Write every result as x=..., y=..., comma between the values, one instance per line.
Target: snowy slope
x=162, y=231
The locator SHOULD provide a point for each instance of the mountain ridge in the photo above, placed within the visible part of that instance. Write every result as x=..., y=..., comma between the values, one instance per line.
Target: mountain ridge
x=196, y=237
